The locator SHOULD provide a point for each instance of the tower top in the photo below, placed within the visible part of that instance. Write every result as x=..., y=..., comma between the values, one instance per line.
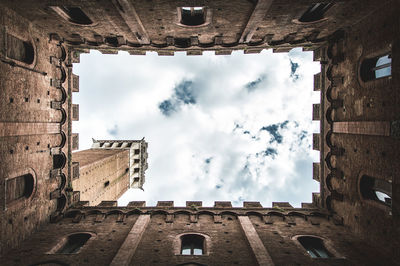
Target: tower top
x=137, y=157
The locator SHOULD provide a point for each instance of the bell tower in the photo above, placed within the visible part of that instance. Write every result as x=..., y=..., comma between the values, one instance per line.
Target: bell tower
x=108, y=169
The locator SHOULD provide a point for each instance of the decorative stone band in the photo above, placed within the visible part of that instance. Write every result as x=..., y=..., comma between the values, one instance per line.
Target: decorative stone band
x=21, y=129
x=377, y=128
x=128, y=248
x=260, y=252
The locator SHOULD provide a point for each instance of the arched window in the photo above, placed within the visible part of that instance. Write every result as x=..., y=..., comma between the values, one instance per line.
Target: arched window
x=73, y=14
x=314, y=246
x=377, y=67
x=19, y=187
x=315, y=12
x=192, y=244
x=376, y=189
x=74, y=243
x=193, y=16
x=20, y=50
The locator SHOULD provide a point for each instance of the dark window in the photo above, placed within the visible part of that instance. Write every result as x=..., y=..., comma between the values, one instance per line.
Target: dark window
x=136, y=179
x=137, y=151
x=314, y=246
x=192, y=244
x=315, y=12
x=19, y=50
x=106, y=184
x=136, y=160
x=376, y=189
x=113, y=41
x=192, y=16
x=75, y=15
x=119, y=144
x=374, y=68
x=58, y=161
x=136, y=170
x=19, y=187
x=74, y=243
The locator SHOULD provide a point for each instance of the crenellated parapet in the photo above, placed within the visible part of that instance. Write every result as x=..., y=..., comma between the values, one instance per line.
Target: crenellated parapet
x=282, y=211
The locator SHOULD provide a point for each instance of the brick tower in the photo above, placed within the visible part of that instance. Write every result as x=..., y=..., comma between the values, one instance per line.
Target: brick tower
x=109, y=169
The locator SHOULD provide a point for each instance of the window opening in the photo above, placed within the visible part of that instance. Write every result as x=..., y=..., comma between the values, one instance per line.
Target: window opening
x=106, y=184
x=376, y=189
x=19, y=187
x=192, y=16
x=136, y=170
x=314, y=246
x=374, y=68
x=73, y=14
x=20, y=50
x=58, y=161
x=74, y=243
x=315, y=12
x=192, y=244
x=136, y=160
x=137, y=151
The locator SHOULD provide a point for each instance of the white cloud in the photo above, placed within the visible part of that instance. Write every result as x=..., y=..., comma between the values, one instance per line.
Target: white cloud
x=120, y=95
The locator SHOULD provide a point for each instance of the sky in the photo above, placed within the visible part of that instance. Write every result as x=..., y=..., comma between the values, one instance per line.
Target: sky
x=219, y=128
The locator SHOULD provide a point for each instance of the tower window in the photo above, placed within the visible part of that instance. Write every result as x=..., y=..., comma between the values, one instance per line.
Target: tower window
x=74, y=243
x=73, y=14
x=137, y=151
x=20, y=50
x=19, y=187
x=136, y=170
x=315, y=12
x=314, y=246
x=59, y=161
x=193, y=16
x=192, y=244
x=376, y=189
x=136, y=161
x=377, y=67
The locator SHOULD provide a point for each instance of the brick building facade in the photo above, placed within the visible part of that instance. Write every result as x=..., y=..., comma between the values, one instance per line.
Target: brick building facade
x=354, y=220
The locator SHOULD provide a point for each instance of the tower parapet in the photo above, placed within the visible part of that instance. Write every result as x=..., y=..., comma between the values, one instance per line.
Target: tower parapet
x=137, y=157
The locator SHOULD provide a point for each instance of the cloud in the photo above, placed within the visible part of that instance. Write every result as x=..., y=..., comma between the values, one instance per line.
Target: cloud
x=167, y=107
x=251, y=86
x=293, y=69
x=183, y=94
x=274, y=131
x=271, y=152
x=113, y=131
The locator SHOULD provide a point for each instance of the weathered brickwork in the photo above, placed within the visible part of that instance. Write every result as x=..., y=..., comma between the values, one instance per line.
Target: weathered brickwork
x=31, y=132
x=41, y=206
x=103, y=174
x=357, y=136
x=226, y=243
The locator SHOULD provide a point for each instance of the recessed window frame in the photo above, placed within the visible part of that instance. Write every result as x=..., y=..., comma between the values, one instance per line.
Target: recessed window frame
x=64, y=240
x=369, y=67
x=29, y=46
x=323, y=7
x=22, y=201
x=327, y=244
x=63, y=12
x=368, y=185
x=177, y=244
x=207, y=16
